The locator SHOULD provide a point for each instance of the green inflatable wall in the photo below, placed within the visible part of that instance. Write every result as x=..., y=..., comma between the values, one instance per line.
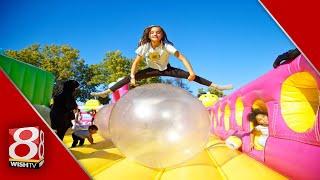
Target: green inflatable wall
x=35, y=83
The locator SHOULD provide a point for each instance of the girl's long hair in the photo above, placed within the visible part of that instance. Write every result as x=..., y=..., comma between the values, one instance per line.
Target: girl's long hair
x=145, y=36
x=253, y=114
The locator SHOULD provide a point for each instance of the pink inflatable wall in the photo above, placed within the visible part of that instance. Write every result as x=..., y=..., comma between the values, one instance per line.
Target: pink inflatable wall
x=296, y=155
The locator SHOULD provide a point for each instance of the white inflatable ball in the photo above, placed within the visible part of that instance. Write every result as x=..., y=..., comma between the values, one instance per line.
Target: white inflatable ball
x=159, y=125
x=102, y=120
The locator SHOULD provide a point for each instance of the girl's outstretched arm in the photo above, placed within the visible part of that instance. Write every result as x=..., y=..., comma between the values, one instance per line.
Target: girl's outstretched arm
x=187, y=64
x=134, y=67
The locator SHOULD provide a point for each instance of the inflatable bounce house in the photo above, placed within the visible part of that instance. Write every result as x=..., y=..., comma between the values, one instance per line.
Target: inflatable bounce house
x=34, y=83
x=290, y=96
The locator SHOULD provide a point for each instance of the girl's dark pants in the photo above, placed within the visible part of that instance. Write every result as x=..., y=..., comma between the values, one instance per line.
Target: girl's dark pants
x=150, y=72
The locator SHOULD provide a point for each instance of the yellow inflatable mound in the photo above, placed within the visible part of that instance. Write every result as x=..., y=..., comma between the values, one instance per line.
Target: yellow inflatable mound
x=103, y=161
x=208, y=99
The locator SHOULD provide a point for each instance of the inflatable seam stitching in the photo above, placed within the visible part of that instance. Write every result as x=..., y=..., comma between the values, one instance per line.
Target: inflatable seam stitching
x=159, y=175
x=223, y=175
x=274, y=115
x=289, y=69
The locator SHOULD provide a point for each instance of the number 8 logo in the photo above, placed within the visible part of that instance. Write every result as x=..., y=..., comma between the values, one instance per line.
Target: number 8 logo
x=41, y=145
x=32, y=146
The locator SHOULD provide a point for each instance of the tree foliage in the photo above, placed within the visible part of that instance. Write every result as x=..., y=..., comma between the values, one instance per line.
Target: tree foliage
x=65, y=63
x=113, y=67
x=211, y=90
x=61, y=60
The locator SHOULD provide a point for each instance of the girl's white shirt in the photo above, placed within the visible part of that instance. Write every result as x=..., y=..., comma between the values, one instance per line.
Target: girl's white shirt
x=263, y=129
x=265, y=133
x=156, y=58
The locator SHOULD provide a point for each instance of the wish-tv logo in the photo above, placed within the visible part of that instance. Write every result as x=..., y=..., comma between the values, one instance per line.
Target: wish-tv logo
x=26, y=147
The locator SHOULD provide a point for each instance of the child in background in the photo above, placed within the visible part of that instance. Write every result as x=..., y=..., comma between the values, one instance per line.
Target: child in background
x=93, y=113
x=261, y=122
x=81, y=135
x=155, y=47
x=76, y=121
x=77, y=116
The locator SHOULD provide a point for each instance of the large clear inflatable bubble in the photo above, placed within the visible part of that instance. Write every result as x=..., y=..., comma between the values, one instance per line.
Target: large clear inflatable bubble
x=159, y=125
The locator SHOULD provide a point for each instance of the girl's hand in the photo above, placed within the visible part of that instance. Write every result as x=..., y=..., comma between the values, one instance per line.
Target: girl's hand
x=191, y=77
x=251, y=146
x=133, y=81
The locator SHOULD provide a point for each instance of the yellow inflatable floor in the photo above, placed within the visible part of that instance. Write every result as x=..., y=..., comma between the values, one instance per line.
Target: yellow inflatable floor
x=103, y=161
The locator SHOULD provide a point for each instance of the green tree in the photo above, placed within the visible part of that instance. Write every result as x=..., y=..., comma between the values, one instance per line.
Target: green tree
x=31, y=55
x=113, y=67
x=211, y=90
x=63, y=61
x=83, y=75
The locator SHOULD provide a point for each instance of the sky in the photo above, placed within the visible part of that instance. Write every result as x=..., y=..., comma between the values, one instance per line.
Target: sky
x=226, y=41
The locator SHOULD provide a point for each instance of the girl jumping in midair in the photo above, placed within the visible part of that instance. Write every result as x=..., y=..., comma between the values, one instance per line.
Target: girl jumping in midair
x=155, y=47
